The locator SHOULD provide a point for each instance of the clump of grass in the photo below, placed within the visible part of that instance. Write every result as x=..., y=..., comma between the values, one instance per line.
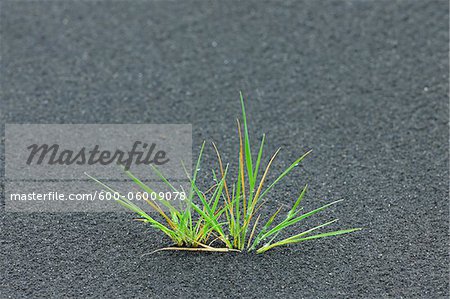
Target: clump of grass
x=229, y=212
x=189, y=225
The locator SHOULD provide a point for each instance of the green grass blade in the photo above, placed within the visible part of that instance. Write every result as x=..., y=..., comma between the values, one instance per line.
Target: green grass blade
x=288, y=240
x=258, y=160
x=197, y=166
x=284, y=173
x=210, y=216
x=131, y=206
x=149, y=190
x=322, y=235
x=289, y=222
x=291, y=213
x=219, y=190
x=248, y=153
x=163, y=178
x=264, y=229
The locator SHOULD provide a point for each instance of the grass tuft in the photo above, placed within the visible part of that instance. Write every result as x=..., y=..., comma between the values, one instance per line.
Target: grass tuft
x=225, y=214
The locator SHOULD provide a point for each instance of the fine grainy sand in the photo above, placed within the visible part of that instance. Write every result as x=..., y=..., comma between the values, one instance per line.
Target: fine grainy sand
x=364, y=84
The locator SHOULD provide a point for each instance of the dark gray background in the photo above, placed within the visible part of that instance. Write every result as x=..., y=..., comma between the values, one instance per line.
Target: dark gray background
x=362, y=83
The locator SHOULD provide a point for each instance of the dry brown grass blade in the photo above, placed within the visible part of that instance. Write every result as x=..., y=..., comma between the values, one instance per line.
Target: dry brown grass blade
x=253, y=231
x=210, y=189
x=140, y=220
x=241, y=167
x=215, y=239
x=199, y=228
x=212, y=249
x=204, y=247
x=255, y=199
x=262, y=203
x=161, y=212
x=261, y=183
